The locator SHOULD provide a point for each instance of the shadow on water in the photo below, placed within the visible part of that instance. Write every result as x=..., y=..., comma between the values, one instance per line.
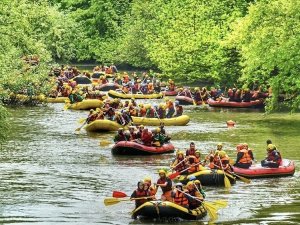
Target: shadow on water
x=52, y=175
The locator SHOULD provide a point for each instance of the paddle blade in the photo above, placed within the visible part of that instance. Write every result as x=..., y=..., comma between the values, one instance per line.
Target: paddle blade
x=119, y=194
x=203, y=103
x=104, y=143
x=78, y=129
x=220, y=204
x=174, y=175
x=111, y=201
x=81, y=120
x=244, y=179
x=194, y=103
x=227, y=182
x=211, y=209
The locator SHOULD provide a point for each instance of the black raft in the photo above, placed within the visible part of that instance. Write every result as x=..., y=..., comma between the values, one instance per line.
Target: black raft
x=165, y=209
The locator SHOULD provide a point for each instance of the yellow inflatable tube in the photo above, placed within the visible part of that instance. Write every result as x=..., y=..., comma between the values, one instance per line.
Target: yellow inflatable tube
x=175, y=121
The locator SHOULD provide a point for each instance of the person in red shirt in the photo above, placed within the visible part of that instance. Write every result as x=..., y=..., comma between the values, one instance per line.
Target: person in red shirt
x=191, y=150
x=166, y=186
x=146, y=137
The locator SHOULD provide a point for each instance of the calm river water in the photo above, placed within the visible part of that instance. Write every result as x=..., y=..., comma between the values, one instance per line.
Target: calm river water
x=51, y=175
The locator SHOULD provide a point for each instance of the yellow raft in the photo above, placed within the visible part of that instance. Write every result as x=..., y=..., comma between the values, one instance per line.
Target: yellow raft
x=85, y=104
x=115, y=94
x=102, y=126
x=56, y=100
x=175, y=121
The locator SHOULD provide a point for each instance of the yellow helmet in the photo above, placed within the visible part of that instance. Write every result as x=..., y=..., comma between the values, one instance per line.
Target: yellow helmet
x=190, y=184
x=220, y=144
x=157, y=130
x=198, y=152
x=222, y=154
x=271, y=147
x=180, y=153
x=147, y=180
x=148, y=106
x=162, y=171
x=197, y=89
x=167, y=99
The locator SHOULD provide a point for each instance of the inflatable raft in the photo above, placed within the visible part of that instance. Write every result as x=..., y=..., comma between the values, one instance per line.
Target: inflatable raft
x=82, y=80
x=85, y=104
x=287, y=168
x=102, y=126
x=134, y=148
x=108, y=86
x=184, y=100
x=115, y=94
x=175, y=121
x=170, y=93
x=165, y=209
x=56, y=100
x=207, y=177
x=223, y=103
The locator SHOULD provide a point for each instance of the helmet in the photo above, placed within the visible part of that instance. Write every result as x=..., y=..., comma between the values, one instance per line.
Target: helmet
x=147, y=180
x=141, y=126
x=271, y=147
x=167, y=99
x=176, y=102
x=180, y=153
x=162, y=171
x=198, y=152
x=245, y=145
x=220, y=144
x=192, y=178
x=190, y=184
x=158, y=130
x=178, y=184
x=197, y=182
x=121, y=128
x=197, y=89
x=140, y=182
x=91, y=110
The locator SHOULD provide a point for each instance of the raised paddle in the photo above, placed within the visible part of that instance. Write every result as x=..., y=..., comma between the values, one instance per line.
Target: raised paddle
x=194, y=102
x=113, y=201
x=177, y=164
x=226, y=180
x=79, y=128
x=174, y=175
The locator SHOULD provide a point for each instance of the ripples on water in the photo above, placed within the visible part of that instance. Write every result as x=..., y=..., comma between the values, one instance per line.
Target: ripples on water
x=51, y=175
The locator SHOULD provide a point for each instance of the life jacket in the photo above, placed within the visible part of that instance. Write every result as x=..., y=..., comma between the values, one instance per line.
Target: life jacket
x=146, y=138
x=143, y=112
x=271, y=156
x=150, y=88
x=171, y=86
x=139, y=194
x=181, y=166
x=161, y=113
x=193, y=167
x=179, y=110
x=193, y=203
x=169, y=185
x=180, y=199
x=170, y=105
x=246, y=157
x=150, y=113
x=190, y=152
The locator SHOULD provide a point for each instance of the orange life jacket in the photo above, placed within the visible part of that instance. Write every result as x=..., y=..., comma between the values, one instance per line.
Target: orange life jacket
x=139, y=194
x=246, y=157
x=193, y=167
x=143, y=112
x=180, y=199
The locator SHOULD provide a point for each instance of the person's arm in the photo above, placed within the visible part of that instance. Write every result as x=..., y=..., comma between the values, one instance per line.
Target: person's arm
x=133, y=195
x=239, y=156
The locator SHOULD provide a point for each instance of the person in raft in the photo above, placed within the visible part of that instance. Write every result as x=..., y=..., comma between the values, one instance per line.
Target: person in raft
x=166, y=185
x=179, y=197
x=273, y=159
x=191, y=150
x=244, y=156
x=194, y=196
x=120, y=136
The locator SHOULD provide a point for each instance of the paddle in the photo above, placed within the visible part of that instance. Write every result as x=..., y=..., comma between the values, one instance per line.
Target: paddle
x=226, y=180
x=79, y=128
x=174, y=175
x=244, y=179
x=177, y=164
x=119, y=194
x=113, y=201
x=81, y=120
x=104, y=143
x=194, y=102
x=211, y=209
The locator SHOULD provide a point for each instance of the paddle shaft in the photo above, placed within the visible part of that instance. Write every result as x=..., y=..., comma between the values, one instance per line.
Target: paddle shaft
x=178, y=163
x=173, y=175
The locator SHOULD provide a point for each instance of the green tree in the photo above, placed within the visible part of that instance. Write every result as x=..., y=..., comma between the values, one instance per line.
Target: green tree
x=268, y=39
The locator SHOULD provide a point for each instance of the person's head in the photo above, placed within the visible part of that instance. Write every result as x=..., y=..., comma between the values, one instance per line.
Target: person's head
x=140, y=185
x=120, y=130
x=197, y=153
x=147, y=180
x=219, y=146
x=141, y=127
x=162, y=173
x=239, y=147
x=192, y=146
x=179, y=186
x=269, y=142
x=180, y=155
x=190, y=186
x=245, y=146
x=146, y=186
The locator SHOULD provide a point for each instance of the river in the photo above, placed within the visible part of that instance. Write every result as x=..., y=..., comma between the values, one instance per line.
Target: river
x=52, y=175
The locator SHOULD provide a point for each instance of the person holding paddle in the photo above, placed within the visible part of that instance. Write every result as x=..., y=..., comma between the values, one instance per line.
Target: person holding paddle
x=138, y=193
x=166, y=185
x=194, y=196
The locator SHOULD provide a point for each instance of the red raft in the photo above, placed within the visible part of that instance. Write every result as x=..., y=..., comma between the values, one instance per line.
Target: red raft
x=184, y=100
x=134, y=148
x=170, y=93
x=108, y=86
x=287, y=168
x=223, y=103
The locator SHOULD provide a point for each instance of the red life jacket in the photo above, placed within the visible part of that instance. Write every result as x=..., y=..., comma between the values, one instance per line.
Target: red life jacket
x=180, y=199
x=271, y=156
x=246, y=157
x=141, y=193
x=162, y=181
x=190, y=152
x=181, y=166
